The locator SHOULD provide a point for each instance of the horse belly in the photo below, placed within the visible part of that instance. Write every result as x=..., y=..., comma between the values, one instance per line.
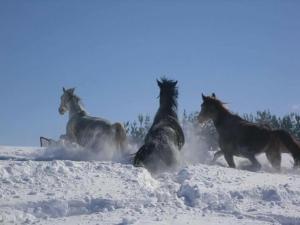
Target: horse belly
x=90, y=136
x=253, y=148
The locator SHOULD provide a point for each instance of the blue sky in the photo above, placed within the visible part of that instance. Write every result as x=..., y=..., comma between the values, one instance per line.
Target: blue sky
x=247, y=52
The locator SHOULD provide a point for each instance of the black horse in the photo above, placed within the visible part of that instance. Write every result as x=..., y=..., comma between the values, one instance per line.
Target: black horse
x=165, y=137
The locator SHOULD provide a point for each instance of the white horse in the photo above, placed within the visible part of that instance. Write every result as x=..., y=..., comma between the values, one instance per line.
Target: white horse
x=90, y=132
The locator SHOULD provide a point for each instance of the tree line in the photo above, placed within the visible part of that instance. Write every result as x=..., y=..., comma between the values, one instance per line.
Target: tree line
x=137, y=129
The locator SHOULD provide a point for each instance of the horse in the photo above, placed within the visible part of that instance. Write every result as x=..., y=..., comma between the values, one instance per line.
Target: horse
x=238, y=137
x=93, y=133
x=165, y=137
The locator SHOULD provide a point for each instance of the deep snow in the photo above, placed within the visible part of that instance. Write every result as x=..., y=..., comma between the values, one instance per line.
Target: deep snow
x=99, y=192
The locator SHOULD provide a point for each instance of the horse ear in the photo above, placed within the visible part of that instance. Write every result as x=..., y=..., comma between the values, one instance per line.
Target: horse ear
x=175, y=82
x=64, y=90
x=158, y=83
x=71, y=90
x=203, y=97
x=213, y=95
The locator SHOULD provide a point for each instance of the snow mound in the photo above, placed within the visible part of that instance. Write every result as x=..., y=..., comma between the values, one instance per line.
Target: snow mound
x=72, y=151
x=98, y=192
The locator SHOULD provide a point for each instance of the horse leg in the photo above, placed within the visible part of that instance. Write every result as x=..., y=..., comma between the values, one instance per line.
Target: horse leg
x=290, y=143
x=297, y=163
x=274, y=157
x=255, y=164
x=217, y=155
x=273, y=153
x=229, y=159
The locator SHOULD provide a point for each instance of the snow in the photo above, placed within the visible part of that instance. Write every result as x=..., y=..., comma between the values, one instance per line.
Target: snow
x=51, y=191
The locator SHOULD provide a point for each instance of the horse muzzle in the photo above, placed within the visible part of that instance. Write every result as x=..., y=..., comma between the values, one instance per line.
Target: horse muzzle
x=61, y=110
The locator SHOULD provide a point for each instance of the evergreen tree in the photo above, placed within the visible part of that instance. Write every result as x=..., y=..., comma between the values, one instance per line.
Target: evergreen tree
x=138, y=129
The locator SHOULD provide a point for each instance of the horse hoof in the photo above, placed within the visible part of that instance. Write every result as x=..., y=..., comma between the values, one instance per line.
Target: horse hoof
x=297, y=166
x=251, y=168
x=212, y=162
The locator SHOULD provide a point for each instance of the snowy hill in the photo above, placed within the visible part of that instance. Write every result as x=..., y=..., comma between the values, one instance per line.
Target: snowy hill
x=97, y=192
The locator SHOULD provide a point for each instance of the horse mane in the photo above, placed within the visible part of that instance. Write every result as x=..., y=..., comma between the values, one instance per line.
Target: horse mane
x=223, y=111
x=168, y=94
x=217, y=103
x=70, y=93
x=168, y=101
x=76, y=98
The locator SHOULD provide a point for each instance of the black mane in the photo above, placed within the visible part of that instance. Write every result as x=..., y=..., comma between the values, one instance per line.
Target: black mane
x=217, y=103
x=167, y=98
x=168, y=93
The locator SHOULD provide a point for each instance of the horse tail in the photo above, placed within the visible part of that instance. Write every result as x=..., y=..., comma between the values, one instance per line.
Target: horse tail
x=120, y=135
x=290, y=143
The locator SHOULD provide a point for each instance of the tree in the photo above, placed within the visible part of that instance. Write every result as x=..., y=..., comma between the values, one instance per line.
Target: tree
x=207, y=132
x=137, y=130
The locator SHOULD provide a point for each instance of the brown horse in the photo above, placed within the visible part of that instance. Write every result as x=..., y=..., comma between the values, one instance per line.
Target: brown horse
x=238, y=137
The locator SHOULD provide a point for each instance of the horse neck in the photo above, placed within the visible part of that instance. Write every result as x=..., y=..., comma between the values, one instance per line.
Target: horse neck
x=221, y=118
x=165, y=111
x=75, y=108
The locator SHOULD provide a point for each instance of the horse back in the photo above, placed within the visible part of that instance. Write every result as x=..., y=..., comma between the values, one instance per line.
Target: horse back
x=83, y=129
x=168, y=128
x=92, y=123
x=239, y=134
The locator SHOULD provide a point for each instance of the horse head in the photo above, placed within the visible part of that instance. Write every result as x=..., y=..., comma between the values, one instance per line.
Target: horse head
x=168, y=93
x=65, y=99
x=209, y=108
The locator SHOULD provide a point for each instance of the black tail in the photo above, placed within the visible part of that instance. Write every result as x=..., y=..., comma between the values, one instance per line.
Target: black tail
x=291, y=144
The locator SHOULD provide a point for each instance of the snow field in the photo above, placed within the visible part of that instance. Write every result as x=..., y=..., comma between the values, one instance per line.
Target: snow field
x=95, y=192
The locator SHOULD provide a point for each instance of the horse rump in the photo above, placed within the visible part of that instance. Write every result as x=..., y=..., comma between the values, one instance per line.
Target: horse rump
x=155, y=158
x=141, y=156
x=290, y=144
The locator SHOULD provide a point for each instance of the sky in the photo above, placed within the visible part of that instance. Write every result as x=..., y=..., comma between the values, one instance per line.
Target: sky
x=247, y=52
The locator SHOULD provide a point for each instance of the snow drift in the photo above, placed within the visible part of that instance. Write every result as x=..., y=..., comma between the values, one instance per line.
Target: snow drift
x=95, y=192
x=67, y=184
